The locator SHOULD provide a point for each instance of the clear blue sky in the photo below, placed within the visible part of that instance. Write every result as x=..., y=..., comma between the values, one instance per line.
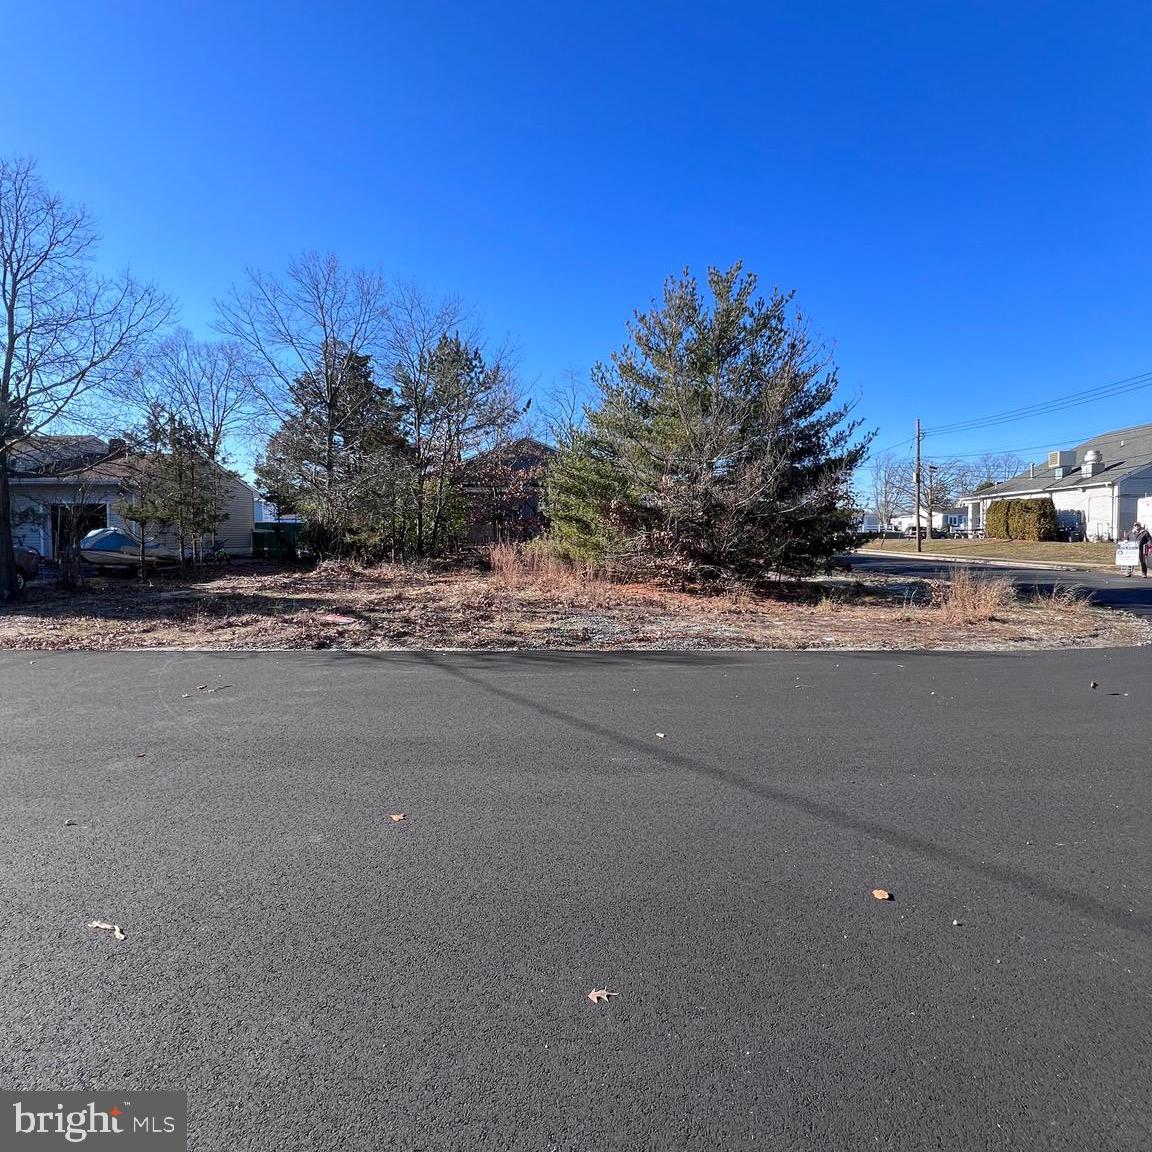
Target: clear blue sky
x=959, y=192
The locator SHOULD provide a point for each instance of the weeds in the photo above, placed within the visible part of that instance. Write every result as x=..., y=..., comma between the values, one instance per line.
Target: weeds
x=538, y=566
x=1063, y=598
x=965, y=598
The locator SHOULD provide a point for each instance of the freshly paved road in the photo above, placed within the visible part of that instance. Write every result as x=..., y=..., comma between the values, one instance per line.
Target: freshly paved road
x=1109, y=587
x=319, y=977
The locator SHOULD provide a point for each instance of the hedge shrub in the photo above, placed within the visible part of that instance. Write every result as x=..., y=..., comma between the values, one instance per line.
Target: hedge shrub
x=996, y=520
x=1022, y=520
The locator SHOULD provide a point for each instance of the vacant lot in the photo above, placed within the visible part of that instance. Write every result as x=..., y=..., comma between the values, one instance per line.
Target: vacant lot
x=1051, y=553
x=392, y=607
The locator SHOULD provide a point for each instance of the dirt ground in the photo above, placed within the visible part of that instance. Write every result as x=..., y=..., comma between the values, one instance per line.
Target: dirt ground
x=389, y=607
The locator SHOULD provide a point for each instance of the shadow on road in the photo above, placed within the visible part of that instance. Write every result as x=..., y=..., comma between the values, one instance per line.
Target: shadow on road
x=1031, y=885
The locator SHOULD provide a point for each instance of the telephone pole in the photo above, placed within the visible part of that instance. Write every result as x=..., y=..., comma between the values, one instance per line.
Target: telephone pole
x=916, y=477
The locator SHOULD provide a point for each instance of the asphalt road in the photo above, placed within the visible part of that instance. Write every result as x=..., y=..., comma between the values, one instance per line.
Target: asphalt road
x=1107, y=587
x=318, y=976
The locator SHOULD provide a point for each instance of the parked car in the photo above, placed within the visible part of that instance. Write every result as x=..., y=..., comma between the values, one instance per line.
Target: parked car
x=27, y=566
x=115, y=548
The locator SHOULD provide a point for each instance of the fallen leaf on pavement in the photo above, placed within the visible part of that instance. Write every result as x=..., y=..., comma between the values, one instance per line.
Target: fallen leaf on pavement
x=201, y=687
x=1093, y=685
x=115, y=929
x=600, y=995
x=659, y=735
x=398, y=816
x=881, y=894
x=141, y=755
x=69, y=823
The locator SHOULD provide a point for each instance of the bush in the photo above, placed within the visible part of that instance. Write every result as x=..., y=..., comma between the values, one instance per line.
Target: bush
x=1022, y=520
x=996, y=520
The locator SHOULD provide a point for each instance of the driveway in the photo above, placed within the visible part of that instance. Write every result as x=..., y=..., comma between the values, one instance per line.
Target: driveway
x=319, y=976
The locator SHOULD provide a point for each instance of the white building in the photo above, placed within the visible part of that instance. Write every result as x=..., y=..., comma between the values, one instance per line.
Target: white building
x=951, y=519
x=1094, y=486
x=64, y=486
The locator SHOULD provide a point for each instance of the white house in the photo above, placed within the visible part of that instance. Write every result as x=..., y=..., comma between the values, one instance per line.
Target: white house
x=64, y=486
x=1094, y=486
x=954, y=518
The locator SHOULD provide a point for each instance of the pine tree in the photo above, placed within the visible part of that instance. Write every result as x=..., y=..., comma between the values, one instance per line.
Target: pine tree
x=339, y=459
x=715, y=447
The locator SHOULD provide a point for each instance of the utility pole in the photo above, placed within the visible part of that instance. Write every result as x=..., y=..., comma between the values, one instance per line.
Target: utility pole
x=916, y=477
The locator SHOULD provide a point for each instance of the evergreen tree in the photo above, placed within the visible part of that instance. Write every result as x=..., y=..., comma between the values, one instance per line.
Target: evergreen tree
x=455, y=403
x=715, y=447
x=339, y=459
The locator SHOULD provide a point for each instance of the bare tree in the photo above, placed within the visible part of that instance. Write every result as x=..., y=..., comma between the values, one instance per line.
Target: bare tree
x=311, y=331
x=67, y=332
x=319, y=317
x=211, y=385
x=454, y=398
x=989, y=468
x=888, y=481
x=561, y=413
x=207, y=394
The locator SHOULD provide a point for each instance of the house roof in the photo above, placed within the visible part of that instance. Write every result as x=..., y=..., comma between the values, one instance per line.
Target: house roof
x=520, y=455
x=83, y=460
x=58, y=457
x=1124, y=452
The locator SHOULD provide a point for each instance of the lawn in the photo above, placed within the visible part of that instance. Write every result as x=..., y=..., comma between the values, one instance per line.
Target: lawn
x=338, y=605
x=1052, y=553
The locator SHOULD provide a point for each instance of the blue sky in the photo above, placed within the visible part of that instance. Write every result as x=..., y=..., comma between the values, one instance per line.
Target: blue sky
x=958, y=192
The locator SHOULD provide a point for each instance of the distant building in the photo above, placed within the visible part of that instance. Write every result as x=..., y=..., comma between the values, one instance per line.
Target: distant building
x=1094, y=486
x=63, y=487
x=953, y=518
x=503, y=488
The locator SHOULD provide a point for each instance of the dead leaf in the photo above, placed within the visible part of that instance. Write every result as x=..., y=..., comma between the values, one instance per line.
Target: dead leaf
x=201, y=687
x=335, y=618
x=881, y=894
x=69, y=823
x=141, y=755
x=659, y=735
x=398, y=816
x=600, y=995
x=103, y=926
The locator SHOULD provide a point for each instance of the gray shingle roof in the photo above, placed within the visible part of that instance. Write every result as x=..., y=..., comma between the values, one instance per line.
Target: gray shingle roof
x=1128, y=450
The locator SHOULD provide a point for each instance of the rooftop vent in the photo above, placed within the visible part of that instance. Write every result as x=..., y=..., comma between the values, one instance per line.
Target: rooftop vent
x=1093, y=462
x=1061, y=462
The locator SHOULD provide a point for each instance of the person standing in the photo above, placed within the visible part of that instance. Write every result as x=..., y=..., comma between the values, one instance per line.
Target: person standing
x=1143, y=540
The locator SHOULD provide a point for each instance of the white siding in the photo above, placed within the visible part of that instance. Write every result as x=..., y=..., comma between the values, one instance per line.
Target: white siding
x=235, y=533
x=40, y=498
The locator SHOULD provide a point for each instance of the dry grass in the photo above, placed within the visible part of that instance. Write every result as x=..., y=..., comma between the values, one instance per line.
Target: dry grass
x=1089, y=553
x=531, y=600
x=520, y=568
x=965, y=598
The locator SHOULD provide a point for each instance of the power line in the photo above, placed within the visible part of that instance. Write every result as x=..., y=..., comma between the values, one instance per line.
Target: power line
x=1058, y=404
